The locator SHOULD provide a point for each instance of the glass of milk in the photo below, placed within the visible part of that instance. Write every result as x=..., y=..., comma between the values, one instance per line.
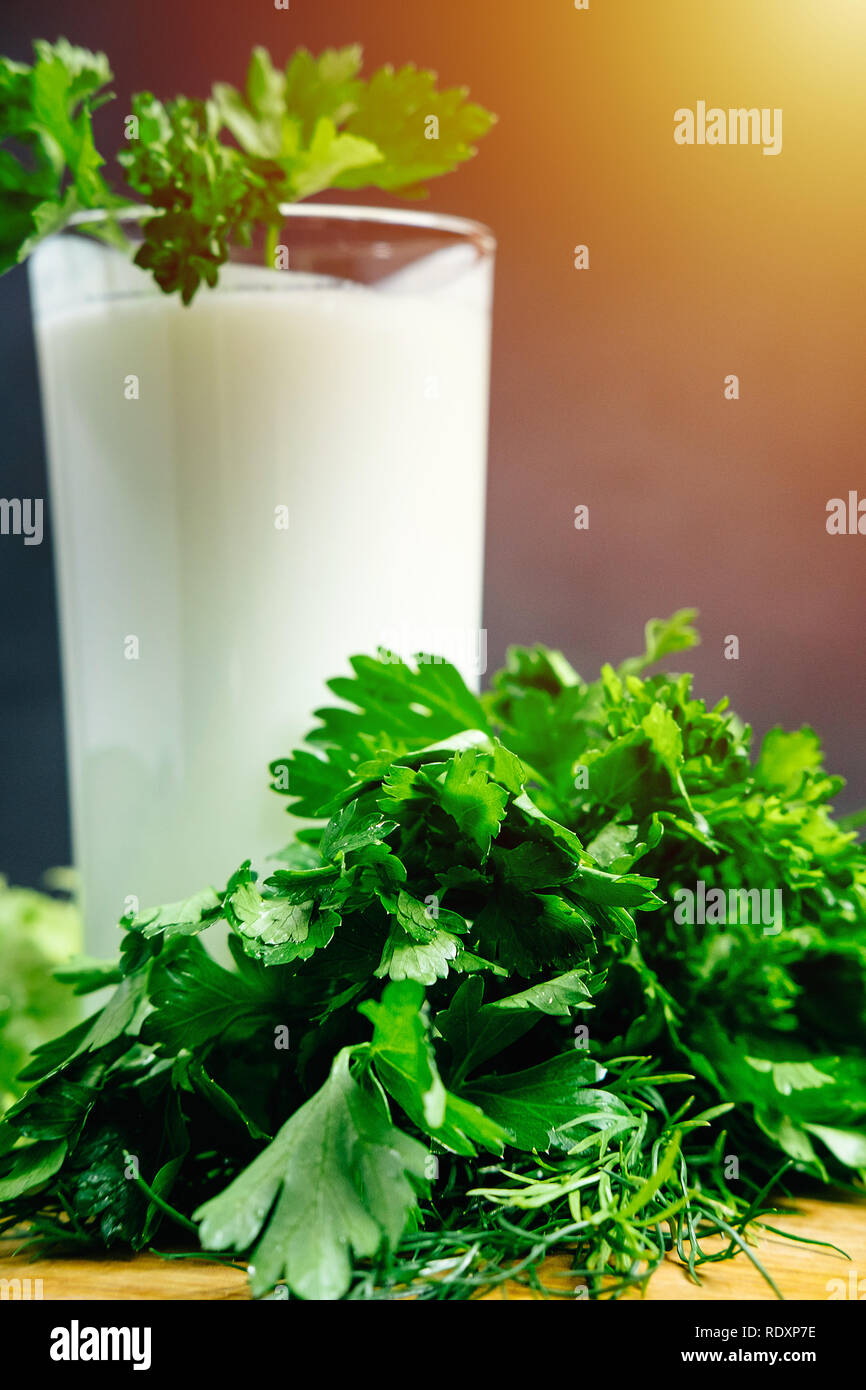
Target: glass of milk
x=244, y=493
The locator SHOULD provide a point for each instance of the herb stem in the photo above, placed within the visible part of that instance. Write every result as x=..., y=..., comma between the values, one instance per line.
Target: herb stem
x=167, y=1207
x=271, y=235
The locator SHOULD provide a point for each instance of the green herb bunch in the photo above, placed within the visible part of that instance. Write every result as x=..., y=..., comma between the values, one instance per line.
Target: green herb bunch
x=467, y=1019
x=216, y=171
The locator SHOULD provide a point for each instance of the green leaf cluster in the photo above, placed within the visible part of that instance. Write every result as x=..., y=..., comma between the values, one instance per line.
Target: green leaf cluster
x=49, y=165
x=465, y=1018
x=216, y=172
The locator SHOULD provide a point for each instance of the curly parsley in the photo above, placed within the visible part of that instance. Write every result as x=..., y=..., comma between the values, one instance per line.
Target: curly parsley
x=217, y=170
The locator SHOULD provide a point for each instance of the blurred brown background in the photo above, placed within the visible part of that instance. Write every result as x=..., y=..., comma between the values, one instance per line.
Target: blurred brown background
x=607, y=383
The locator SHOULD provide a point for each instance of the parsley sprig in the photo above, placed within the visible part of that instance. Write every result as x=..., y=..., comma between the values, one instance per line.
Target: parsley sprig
x=217, y=170
x=462, y=1024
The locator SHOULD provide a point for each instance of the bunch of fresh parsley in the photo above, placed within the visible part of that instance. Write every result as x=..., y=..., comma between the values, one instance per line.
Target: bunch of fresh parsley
x=462, y=1023
x=215, y=172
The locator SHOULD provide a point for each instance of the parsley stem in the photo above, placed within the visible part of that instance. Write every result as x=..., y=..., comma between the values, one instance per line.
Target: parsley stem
x=271, y=245
x=166, y=1206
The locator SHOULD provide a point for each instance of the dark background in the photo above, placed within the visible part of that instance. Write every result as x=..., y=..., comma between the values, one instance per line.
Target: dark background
x=607, y=384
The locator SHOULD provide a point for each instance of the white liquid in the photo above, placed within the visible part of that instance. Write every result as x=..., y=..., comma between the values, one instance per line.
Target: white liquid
x=362, y=412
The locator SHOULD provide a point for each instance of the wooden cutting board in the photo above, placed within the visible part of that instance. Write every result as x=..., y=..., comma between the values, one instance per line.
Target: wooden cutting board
x=801, y=1271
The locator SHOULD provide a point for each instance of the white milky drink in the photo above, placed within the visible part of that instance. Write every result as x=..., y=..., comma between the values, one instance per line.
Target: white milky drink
x=244, y=493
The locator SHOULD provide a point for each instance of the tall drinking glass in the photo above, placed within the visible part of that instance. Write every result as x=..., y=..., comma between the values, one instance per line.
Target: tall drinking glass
x=244, y=493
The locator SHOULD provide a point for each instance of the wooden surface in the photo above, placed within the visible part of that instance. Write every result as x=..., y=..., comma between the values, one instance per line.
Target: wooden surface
x=801, y=1271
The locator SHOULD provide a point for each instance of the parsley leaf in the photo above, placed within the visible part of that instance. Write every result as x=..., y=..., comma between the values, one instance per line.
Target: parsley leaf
x=405, y=1063
x=339, y=1178
x=420, y=132
x=49, y=165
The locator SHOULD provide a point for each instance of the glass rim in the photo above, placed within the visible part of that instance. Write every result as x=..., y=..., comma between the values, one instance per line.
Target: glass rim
x=465, y=227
